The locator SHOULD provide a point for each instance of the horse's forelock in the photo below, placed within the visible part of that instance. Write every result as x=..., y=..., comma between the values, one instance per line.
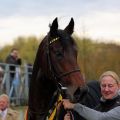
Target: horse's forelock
x=65, y=38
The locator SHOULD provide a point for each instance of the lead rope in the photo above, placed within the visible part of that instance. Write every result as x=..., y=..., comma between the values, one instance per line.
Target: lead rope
x=71, y=115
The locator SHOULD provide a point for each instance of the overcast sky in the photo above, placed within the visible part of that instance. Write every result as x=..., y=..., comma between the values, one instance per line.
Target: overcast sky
x=97, y=19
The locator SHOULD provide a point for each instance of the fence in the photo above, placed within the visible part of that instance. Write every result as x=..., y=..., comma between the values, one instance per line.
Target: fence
x=16, y=87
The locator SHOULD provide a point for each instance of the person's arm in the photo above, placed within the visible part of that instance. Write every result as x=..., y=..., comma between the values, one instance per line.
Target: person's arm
x=91, y=114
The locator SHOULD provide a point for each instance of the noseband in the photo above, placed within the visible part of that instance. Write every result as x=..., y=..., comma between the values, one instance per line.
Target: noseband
x=67, y=73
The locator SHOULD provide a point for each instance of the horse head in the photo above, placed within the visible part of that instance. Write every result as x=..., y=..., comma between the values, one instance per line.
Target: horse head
x=63, y=57
x=55, y=63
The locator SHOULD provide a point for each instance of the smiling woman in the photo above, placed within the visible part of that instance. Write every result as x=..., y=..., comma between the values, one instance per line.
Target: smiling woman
x=109, y=107
x=110, y=83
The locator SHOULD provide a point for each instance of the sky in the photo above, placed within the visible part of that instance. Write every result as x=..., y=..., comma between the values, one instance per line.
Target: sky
x=97, y=19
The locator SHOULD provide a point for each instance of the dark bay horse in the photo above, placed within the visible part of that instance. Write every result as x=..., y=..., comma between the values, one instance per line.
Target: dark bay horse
x=55, y=67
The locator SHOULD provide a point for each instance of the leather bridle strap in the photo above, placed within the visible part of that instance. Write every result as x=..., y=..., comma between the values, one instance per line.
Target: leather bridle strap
x=67, y=73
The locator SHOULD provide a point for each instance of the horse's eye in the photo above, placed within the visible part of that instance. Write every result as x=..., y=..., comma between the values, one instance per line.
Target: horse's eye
x=59, y=54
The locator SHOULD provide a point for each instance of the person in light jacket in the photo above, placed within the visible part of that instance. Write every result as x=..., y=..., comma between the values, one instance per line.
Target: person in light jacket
x=6, y=113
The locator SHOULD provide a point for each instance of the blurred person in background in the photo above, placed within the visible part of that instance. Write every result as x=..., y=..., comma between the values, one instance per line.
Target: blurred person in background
x=6, y=113
x=1, y=74
x=13, y=59
x=1, y=78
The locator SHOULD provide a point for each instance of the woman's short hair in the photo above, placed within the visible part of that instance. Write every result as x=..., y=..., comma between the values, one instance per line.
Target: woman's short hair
x=112, y=74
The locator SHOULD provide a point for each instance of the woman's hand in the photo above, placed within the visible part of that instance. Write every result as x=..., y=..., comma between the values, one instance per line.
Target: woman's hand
x=67, y=104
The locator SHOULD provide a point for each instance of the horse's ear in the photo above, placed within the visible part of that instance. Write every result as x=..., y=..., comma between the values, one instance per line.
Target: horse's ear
x=54, y=27
x=69, y=29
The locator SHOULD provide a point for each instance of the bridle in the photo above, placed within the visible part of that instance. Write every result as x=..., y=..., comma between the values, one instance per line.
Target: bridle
x=54, y=74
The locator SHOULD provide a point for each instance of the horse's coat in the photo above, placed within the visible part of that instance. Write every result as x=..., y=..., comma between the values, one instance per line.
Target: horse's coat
x=55, y=62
